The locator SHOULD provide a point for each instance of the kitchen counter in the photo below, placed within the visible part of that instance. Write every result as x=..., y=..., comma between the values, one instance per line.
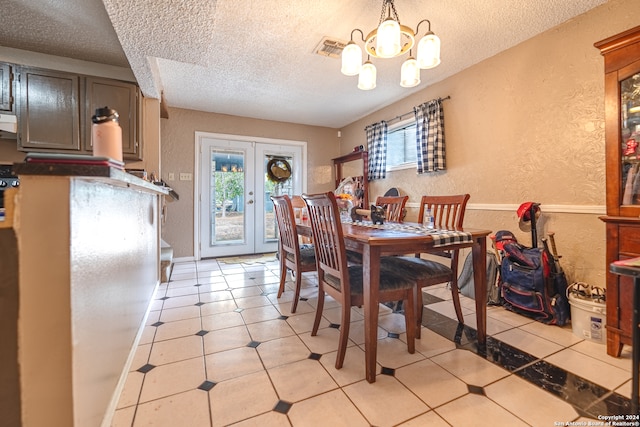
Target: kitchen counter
x=86, y=268
x=93, y=171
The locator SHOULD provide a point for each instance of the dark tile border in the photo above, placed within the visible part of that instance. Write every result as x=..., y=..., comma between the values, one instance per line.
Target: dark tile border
x=587, y=398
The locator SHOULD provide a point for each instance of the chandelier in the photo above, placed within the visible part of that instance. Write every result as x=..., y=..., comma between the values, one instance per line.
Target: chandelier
x=389, y=40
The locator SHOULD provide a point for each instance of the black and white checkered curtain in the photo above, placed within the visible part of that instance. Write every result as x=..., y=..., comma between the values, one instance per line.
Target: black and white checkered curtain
x=377, y=143
x=430, y=136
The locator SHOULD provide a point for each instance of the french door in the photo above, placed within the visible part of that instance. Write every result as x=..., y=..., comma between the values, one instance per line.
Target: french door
x=235, y=212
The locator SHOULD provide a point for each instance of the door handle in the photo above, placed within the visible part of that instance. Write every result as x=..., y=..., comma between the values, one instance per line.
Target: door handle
x=250, y=202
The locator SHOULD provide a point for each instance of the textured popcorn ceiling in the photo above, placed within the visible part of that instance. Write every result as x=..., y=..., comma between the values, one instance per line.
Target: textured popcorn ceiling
x=256, y=58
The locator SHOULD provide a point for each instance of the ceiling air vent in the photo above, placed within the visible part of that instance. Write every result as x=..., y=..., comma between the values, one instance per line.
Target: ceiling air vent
x=330, y=47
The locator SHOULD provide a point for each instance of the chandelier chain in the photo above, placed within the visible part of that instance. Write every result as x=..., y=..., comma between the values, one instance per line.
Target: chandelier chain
x=393, y=11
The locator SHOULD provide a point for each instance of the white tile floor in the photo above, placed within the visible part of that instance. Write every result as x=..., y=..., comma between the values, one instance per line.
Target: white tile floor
x=220, y=349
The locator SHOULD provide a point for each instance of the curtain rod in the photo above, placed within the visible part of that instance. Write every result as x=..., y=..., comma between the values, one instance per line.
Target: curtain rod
x=411, y=112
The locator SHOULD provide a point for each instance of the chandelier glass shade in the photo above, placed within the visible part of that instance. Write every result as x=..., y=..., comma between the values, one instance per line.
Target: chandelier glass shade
x=367, y=76
x=389, y=40
x=410, y=73
x=429, y=51
x=351, y=59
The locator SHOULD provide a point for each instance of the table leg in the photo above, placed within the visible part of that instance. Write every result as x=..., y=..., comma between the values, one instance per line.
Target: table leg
x=371, y=284
x=635, y=334
x=479, y=251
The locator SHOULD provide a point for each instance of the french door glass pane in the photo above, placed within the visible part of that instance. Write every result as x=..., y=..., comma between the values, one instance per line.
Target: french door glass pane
x=227, y=197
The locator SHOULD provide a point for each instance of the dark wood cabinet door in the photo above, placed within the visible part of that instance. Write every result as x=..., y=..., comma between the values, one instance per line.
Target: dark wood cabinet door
x=6, y=100
x=122, y=97
x=49, y=110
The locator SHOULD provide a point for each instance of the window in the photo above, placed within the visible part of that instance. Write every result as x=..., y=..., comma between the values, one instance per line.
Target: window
x=401, y=145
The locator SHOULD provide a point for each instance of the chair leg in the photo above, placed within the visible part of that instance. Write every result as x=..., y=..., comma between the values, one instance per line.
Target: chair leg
x=418, y=310
x=283, y=275
x=410, y=321
x=455, y=295
x=319, y=308
x=296, y=296
x=344, y=335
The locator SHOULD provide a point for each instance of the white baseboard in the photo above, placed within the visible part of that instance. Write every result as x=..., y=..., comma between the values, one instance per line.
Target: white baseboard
x=184, y=259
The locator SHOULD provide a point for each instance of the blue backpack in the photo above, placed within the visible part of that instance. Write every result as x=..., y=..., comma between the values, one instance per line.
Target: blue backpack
x=533, y=285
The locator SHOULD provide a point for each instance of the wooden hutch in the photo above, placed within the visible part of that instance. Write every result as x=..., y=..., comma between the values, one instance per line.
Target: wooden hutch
x=362, y=181
x=622, y=137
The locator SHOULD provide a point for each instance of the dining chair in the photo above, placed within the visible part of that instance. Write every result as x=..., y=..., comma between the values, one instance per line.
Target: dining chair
x=448, y=213
x=299, y=258
x=394, y=207
x=344, y=282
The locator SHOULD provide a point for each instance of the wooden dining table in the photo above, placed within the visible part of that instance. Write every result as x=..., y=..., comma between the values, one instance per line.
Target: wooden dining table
x=397, y=239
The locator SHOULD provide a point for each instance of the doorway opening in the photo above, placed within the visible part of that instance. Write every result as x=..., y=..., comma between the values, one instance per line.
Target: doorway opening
x=236, y=175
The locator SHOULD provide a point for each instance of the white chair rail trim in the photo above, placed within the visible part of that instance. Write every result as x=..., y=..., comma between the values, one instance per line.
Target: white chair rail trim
x=571, y=209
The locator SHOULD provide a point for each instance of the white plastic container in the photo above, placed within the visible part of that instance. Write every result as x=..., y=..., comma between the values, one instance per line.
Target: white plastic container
x=106, y=134
x=588, y=318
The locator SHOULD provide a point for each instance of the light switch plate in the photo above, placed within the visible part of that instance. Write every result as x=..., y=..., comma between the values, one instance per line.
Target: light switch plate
x=184, y=176
x=171, y=176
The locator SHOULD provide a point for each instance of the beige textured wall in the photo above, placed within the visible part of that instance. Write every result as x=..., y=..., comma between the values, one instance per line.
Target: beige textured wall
x=9, y=152
x=177, y=152
x=526, y=124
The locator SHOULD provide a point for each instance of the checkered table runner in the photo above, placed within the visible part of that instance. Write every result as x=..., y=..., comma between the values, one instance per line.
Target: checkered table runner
x=440, y=237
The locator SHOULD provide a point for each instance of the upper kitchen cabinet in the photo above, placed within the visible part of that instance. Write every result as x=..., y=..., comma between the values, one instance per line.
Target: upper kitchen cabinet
x=54, y=110
x=6, y=99
x=122, y=97
x=48, y=108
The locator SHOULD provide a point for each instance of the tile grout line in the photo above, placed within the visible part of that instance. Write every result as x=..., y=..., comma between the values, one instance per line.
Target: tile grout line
x=277, y=307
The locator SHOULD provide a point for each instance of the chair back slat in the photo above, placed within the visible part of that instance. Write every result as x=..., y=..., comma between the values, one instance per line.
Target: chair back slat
x=447, y=211
x=286, y=224
x=394, y=207
x=328, y=238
